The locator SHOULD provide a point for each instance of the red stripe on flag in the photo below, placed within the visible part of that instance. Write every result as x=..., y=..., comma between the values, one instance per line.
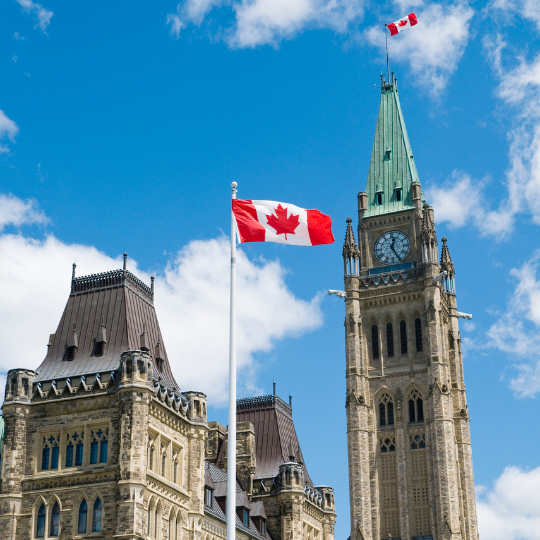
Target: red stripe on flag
x=393, y=29
x=249, y=228
x=319, y=228
x=412, y=19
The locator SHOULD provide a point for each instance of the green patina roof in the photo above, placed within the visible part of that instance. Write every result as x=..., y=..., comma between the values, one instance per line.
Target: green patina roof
x=388, y=170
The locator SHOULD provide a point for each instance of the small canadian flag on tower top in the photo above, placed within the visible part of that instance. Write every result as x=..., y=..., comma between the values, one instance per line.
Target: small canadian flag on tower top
x=398, y=26
x=270, y=221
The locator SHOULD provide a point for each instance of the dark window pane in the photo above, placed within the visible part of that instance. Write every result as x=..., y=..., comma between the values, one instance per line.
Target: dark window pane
x=99, y=349
x=96, y=517
x=151, y=464
x=175, y=471
x=391, y=448
x=412, y=414
x=390, y=339
x=420, y=407
x=78, y=454
x=414, y=446
x=246, y=517
x=163, y=464
x=45, y=459
x=40, y=528
x=403, y=335
x=382, y=414
x=69, y=455
x=54, y=457
x=93, y=452
x=375, y=341
x=418, y=330
x=390, y=414
x=103, y=451
x=55, y=520
x=83, y=515
x=422, y=444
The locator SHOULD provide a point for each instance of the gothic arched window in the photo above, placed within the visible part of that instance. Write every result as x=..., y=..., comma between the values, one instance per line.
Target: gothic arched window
x=96, y=516
x=163, y=464
x=93, y=452
x=416, y=407
x=83, y=516
x=386, y=411
x=390, y=339
x=54, y=457
x=40, y=525
x=104, y=446
x=403, y=336
x=375, y=341
x=79, y=454
x=418, y=332
x=55, y=520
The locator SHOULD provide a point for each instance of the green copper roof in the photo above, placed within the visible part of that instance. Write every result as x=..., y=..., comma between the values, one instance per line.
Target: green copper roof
x=392, y=163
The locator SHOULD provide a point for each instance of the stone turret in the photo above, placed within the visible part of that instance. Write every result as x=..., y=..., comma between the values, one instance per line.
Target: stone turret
x=351, y=253
x=447, y=266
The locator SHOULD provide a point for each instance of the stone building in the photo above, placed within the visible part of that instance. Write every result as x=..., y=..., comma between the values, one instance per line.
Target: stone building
x=410, y=461
x=101, y=443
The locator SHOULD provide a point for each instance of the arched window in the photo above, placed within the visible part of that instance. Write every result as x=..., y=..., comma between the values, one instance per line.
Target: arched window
x=416, y=407
x=418, y=332
x=418, y=442
x=386, y=411
x=375, y=341
x=148, y=520
x=40, y=526
x=103, y=448
x=83, y=516
x=403, y=336
x=157, y=521
x=96, y=516
x=55, y=520
x=163, y=463
x=390, y=339
x=172, y=523
x=54, y=457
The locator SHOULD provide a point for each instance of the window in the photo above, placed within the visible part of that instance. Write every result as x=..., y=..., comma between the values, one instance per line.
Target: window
x=45, y=458
x=54, y=458
x=403, y=336
x=398, y=195
x=208, y=496
x=104, y=446
x=70, y=353
x=388, y=445
x=99, y=349
x=379, y=198
x=151, y=464
x=390, y=339
x=25, y=386
x=418, y=331
x=386, y=411
x=55, y=520
x=96, y=516
x=83, y=516
x=375, y=341
x=263, y=526
x=163, y=463
x=246, y=517
x=416, y=407
x=418, y=442
x=79, y=454
x=40, y=526
x=93, y=452
x=69, y=455
x=148, y=517
x=175, y=479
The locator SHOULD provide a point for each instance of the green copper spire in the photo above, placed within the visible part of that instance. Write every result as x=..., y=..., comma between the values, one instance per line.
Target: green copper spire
x=392, y=169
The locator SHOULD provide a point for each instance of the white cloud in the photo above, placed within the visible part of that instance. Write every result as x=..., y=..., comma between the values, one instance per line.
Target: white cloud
x=517, y=330
x=511, y=510
x=267, y=22
x=8, y=128
x=192, y=302
x=43, y=16
x=434, y=47
x=16, y=212
x=528, y=9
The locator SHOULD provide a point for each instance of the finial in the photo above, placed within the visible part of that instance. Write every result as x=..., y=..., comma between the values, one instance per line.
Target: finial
x=444, y=239
x=349, y=220
x=290, y=400
x=234, y=185
x=73, y=271
x=152, y=279
x=125, y=260
x=274, y=387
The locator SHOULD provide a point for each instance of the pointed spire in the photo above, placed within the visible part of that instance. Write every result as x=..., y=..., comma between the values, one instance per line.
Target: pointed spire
x=428, y=227
x=446, y=261
x=351, y=253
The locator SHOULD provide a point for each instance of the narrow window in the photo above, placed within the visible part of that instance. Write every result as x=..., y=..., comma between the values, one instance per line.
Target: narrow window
x=176, y=472
x=412, y=414
x=55, y=520
x=14, y=386
x=263, y=527
x=418, y=329
x=403, y=336
x=382, y=414
x=40, y=527
x=104, y=446
x=96, y=516
x=390, y=414
x=83, y=516
x=171, y=527
x=79, y=454
x=379, y=198
x=148, y=517
x=70, y=353
x=246, y=517
x=151, y=464
x=156, y=519
x=375, y=341
x=54, y=457
x=45, y=458
x=163, y=463
x=93, y=452
x=420, y=409
x=25, y=386
x=208, y=497
x=390, y=339
x=99, y=348
x=398, y=195
x=69, y=455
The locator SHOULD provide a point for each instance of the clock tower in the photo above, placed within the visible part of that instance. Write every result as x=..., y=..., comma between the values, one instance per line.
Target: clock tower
x=410, y=460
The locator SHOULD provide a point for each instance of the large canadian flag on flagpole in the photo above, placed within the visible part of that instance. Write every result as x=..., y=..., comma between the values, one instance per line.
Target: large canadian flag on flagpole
x=398, y=26
x=270, y=221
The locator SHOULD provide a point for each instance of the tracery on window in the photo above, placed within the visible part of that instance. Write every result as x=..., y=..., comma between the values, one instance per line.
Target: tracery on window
x=418, y=441
x=387, y=445
x=99, y=445
x=416, y=407
x=50, y=452
x=386, y=411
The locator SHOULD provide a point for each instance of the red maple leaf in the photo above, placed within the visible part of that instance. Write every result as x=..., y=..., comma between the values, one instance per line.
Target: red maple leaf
x=403, y=22
x=283, y=224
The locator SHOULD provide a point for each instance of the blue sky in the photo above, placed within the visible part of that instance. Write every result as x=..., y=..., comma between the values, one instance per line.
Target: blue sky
x=123, y=125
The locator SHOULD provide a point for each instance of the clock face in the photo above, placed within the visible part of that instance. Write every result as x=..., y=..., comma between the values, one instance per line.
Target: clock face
x=392, y=247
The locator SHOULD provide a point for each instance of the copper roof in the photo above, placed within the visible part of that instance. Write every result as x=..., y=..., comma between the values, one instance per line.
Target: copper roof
x=275, y=434
x=124, y=305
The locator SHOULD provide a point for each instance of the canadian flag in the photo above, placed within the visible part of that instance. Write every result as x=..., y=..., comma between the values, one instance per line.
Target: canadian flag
x=270, y=221
x=398, y=26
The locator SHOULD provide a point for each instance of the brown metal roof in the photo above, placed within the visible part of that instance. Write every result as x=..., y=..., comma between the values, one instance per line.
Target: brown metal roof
x=275, y=435
x=125, y=306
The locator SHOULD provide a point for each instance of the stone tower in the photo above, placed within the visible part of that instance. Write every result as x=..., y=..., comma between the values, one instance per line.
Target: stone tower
x=410, y=460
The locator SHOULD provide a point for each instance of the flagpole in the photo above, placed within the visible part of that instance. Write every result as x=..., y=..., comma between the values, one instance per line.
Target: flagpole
x=387, y=60
x=231, y=448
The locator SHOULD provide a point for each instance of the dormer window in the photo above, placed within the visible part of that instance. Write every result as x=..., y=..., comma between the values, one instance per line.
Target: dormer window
x=379, y=195
x=263, y=527
x=208, y=496
x=71, y=352
x=245, y=519
x=387, y=154
x=99, y=349
x=398, y=191
x=101, y=340
x=398, y=194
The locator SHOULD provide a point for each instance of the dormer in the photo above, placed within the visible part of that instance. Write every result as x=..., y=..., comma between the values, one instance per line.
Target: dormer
x=101, y=341
x=72, y=345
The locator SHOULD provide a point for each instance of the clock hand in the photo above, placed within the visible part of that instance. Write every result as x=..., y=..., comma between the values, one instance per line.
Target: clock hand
x=392, y=247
